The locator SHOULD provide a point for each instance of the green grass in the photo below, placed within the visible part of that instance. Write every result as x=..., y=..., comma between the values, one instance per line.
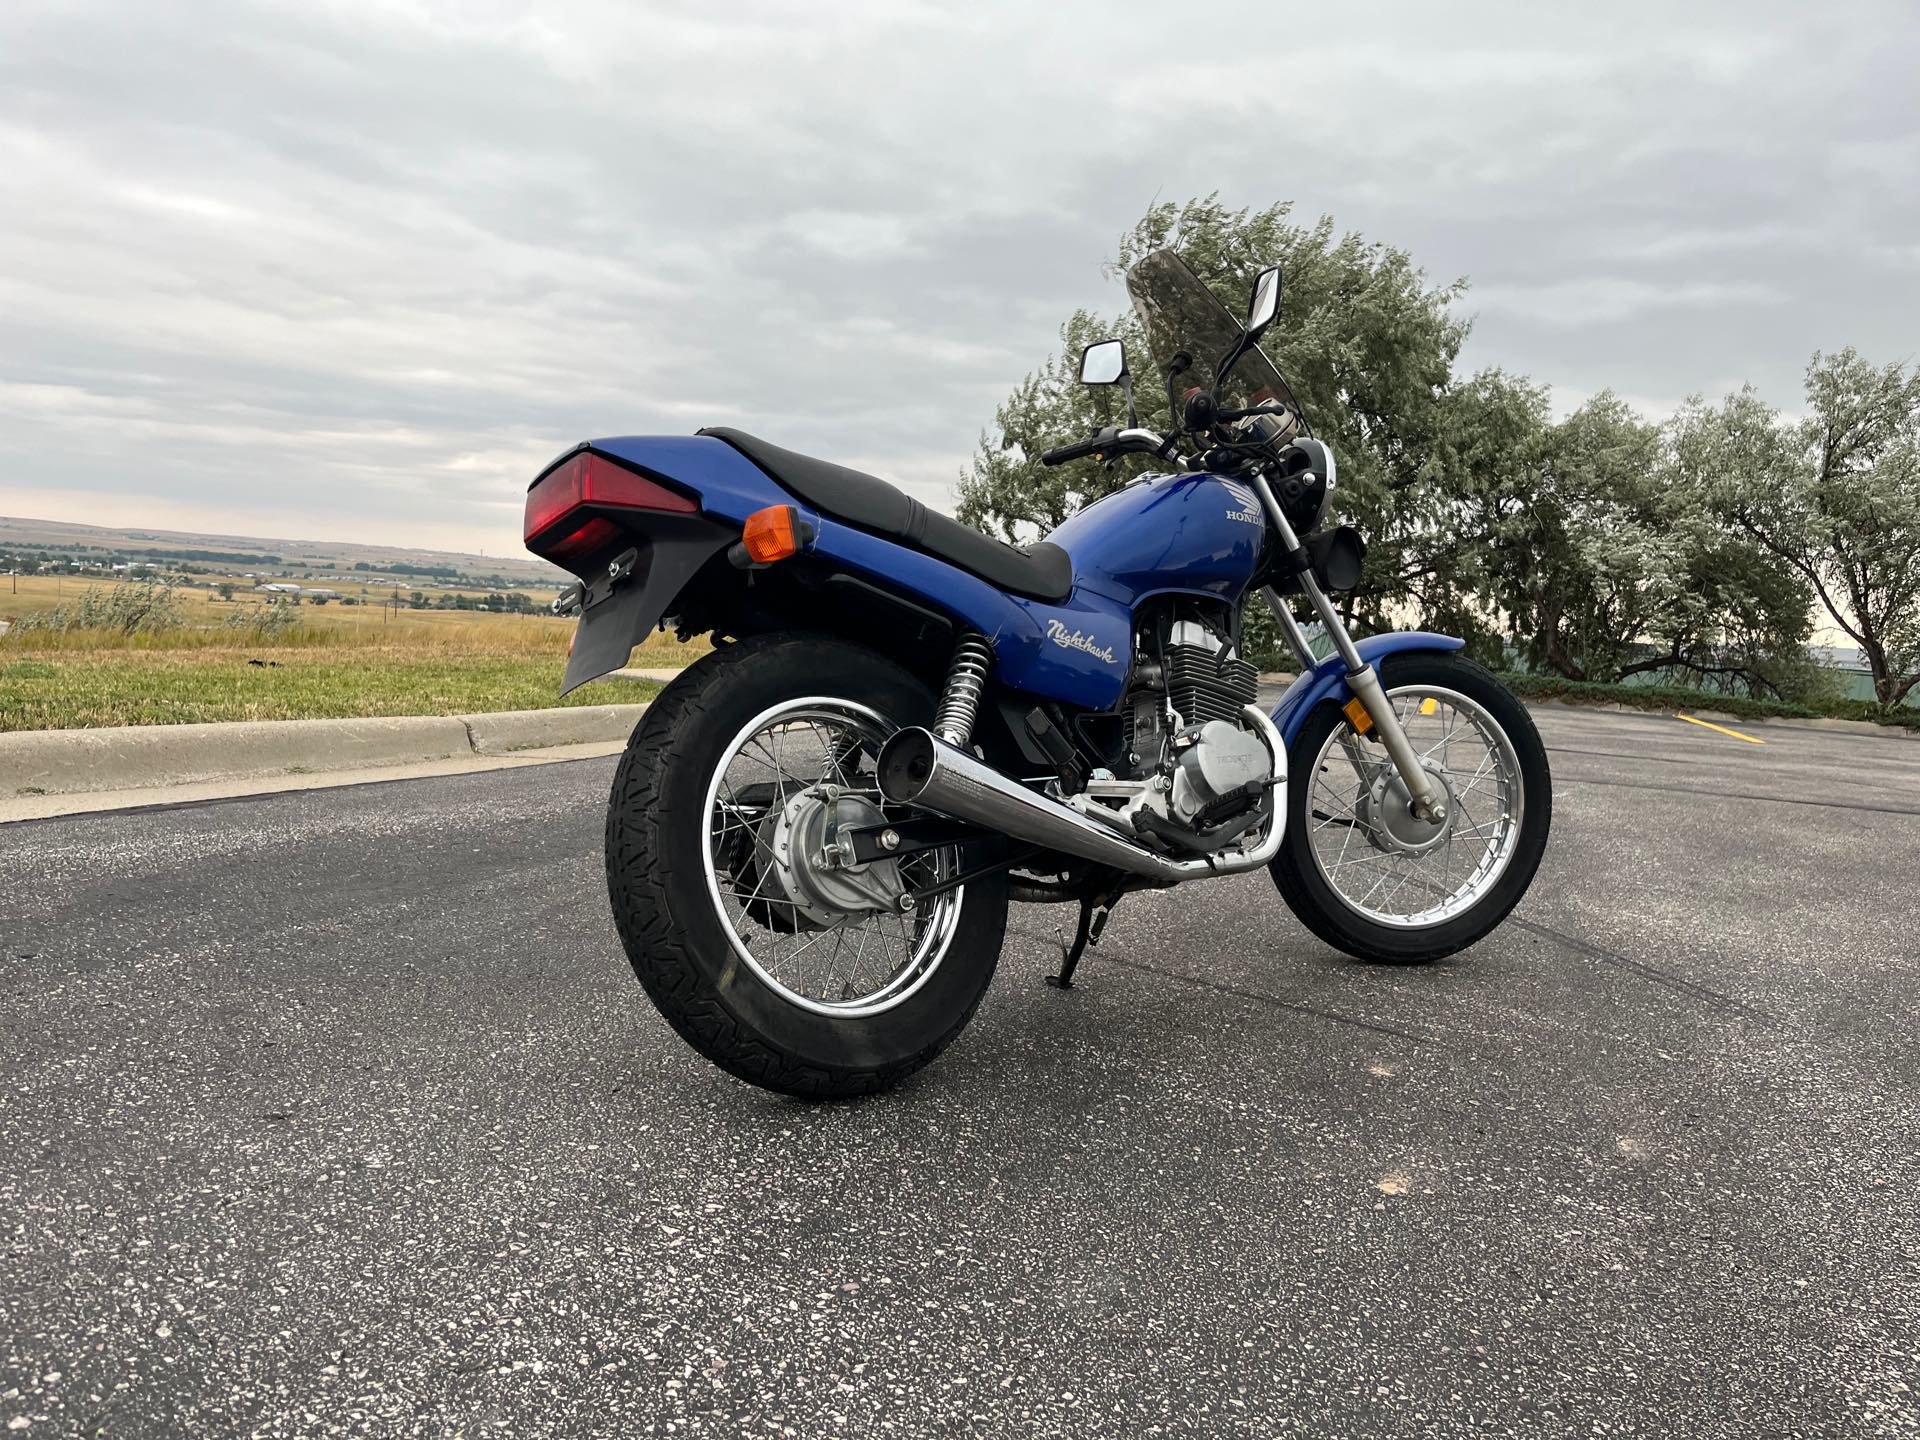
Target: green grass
x=1674, y=697
x=75, y=661
x=171, y=687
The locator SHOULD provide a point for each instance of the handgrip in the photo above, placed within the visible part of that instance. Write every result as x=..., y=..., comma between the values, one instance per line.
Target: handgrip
x=1092, y=445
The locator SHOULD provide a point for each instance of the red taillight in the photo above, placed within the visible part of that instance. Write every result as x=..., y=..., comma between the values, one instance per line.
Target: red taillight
x=596, y=533
x=589, y=479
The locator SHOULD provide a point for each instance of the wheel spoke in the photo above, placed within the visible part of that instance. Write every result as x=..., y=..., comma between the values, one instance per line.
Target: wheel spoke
x=821, y=957
x=1385, y=877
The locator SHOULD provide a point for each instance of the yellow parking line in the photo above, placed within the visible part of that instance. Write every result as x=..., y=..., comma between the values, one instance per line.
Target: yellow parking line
x=1709, y=725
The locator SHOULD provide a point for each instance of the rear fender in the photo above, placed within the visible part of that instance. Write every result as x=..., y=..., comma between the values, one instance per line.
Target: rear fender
x=1327, y=681
x=619, y=611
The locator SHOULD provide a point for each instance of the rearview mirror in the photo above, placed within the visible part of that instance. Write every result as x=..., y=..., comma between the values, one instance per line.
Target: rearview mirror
x=1264, y=308
x=1103, y=363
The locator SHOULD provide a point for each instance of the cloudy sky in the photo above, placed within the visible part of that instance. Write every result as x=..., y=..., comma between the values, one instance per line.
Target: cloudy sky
x=356, y=270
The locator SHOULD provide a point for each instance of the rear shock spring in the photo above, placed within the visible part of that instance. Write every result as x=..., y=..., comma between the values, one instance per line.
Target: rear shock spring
x=966, y=681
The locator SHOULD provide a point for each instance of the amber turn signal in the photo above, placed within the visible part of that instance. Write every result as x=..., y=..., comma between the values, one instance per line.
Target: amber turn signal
x=772, y=534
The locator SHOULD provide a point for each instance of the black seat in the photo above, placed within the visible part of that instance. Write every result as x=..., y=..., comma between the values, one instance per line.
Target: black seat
x=1042, y=571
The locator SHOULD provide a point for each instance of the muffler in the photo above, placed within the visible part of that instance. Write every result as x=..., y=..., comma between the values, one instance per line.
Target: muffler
x=917, y=767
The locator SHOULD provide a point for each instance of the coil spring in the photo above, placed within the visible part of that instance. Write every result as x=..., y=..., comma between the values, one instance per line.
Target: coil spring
x=966, y=681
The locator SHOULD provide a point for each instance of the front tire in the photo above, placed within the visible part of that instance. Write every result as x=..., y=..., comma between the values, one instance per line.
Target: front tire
x=706, y=912
x=1368, y=879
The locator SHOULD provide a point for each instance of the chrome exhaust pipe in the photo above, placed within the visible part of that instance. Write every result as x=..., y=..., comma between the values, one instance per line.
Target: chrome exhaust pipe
x=917, y=767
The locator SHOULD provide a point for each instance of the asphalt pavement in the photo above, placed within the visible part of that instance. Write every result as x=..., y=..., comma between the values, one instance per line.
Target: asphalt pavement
x=339, y=1112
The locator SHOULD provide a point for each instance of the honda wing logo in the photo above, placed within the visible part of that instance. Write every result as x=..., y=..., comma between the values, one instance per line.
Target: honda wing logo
x=1249, y=511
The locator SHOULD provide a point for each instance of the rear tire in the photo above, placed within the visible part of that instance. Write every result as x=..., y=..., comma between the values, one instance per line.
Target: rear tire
x=680, y=940
x=1302, y=875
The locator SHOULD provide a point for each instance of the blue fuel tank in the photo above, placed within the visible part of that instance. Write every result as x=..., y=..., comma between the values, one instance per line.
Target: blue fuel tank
x=1165, y=534
x=1197, y=534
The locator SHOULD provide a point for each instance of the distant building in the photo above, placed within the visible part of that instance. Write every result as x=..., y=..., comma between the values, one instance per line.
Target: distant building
x=1838, y=657
x=1855, y=676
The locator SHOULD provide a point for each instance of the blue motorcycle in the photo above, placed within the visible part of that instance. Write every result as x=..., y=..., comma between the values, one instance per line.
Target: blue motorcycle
x=904, y=725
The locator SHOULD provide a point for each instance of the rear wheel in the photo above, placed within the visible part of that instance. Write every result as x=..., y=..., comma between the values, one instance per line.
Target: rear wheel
x=773, y=959
x=1368, y=876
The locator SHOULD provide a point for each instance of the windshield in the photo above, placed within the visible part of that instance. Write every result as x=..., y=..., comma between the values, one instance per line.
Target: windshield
x=1179, y=312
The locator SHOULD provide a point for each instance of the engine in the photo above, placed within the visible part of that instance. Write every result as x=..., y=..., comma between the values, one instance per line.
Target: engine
x=1186, y=674
x=1206, y=678
x=1189, y=774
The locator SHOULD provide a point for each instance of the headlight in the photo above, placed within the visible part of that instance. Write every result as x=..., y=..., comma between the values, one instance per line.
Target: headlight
x=1308, y=475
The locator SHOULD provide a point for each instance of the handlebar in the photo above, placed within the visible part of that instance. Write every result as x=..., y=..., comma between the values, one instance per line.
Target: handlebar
x=1265, y=407
x=1092, y=445
x=1110, y=441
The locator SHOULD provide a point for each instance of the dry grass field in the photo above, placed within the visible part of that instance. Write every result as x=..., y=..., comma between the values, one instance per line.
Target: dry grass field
x=219, y=661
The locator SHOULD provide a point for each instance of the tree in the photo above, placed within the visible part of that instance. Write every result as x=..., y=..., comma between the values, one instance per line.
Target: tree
x=1006, y=490
x=1486, y=476
x=1368, y=345
x=1577, y=562
x=225, y=587
x=1837, y=499
x=1737, y=613
x=1610, y=562
x=1602, y=546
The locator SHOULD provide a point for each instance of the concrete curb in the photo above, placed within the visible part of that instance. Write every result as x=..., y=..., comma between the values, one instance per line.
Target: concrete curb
x=128, y=757
x=509, y=730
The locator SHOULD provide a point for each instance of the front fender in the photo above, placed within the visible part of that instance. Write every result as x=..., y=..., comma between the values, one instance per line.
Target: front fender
x=1328, y=679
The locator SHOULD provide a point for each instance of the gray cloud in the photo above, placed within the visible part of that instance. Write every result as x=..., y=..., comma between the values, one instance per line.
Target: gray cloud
x=358, y=270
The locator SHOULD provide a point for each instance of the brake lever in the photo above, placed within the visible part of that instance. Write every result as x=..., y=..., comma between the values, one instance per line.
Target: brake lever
x=1265, y=407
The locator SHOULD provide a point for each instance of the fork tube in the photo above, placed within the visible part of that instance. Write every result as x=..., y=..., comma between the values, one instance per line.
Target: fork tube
x=1361, y=678
x=1296, y=637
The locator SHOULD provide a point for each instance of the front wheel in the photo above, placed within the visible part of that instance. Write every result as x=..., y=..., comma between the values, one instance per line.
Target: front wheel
x=1368, y=876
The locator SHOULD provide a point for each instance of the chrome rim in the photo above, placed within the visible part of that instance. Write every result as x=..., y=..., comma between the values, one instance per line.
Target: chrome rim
x=1388, y=866
x=832, y=961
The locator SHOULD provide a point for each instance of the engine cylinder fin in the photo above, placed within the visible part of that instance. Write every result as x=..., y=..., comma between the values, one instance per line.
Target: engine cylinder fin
x=966, y=682
x=1205, y=685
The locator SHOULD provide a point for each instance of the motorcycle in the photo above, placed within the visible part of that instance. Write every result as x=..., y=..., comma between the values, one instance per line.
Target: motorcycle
x=904, y=725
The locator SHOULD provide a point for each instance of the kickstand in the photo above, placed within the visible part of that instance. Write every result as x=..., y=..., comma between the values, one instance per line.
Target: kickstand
x=1094, y=910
